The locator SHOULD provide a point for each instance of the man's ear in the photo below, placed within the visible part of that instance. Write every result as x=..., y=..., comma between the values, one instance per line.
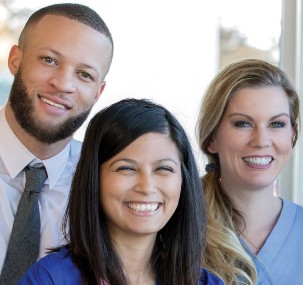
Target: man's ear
x=102, y=86
x=14, y=59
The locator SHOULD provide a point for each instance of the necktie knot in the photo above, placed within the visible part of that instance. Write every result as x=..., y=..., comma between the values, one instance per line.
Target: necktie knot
x=35, y=178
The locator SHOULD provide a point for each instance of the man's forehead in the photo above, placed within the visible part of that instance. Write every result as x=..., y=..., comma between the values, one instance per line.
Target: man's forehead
x=53, y=27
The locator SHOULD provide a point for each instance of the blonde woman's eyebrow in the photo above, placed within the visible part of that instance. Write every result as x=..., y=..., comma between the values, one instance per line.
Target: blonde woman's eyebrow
x=280, y=115
x=251, y=118
x=241, y=114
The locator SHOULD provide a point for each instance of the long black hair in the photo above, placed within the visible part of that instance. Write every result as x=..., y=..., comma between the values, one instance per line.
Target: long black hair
x=176, y=256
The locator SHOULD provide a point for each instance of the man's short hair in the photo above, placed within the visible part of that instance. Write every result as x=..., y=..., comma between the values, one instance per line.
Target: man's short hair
x=77, y=12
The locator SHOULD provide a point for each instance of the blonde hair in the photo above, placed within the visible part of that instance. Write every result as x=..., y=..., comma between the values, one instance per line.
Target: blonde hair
x=225, y=256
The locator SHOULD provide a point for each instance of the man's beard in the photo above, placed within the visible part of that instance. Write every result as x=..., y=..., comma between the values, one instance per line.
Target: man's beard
x=23, y=108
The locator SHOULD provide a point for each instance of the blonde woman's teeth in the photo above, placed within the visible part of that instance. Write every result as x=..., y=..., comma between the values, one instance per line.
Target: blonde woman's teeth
x=258, y=160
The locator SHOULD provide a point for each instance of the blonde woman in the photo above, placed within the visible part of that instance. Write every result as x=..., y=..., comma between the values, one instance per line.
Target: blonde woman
x=248, y=126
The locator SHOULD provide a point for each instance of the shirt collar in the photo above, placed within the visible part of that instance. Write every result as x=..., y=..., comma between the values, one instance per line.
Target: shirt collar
x=55, y=165
x=16, y=156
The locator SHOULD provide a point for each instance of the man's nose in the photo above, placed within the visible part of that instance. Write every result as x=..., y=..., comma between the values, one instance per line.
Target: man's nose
x=63, y=79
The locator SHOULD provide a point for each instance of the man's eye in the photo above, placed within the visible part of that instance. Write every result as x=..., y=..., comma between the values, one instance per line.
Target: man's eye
x=242, y=124
x=278, y=124
x=48, y=60
x=86, y=75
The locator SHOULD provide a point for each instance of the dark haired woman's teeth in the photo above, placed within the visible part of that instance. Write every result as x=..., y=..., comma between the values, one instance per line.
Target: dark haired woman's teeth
x=137, y=207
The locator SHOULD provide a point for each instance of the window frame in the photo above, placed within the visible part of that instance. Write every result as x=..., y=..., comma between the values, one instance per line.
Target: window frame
x=291, y=61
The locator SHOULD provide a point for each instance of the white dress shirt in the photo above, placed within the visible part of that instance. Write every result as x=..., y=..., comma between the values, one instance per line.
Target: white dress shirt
x=14, y=157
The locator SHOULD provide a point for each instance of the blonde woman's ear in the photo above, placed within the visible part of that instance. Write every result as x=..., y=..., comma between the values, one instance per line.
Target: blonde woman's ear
x=213, y=147
x=294, y=136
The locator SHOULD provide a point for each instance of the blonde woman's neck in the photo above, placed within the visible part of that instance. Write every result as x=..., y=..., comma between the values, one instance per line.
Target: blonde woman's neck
x=261, y=211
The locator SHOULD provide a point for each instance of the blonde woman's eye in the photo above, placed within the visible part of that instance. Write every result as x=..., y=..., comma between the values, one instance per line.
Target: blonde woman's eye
x=278, y=124
x=242, y=124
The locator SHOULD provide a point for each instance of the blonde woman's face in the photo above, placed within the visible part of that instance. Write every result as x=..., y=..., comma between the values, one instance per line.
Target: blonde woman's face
x=254, y=138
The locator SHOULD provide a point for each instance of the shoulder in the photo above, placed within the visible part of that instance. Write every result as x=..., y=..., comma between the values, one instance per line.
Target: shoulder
x=293, y=206
x=290, y=221
x=207, y=278
x=55, y=268
x=75, y=151
x=75, y=147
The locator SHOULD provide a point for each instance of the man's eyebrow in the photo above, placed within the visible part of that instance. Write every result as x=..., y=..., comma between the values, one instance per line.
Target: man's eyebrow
x=52, y=51
x=89, y=66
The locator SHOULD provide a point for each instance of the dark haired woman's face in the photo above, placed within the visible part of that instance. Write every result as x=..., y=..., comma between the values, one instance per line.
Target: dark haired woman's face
x=141, y=185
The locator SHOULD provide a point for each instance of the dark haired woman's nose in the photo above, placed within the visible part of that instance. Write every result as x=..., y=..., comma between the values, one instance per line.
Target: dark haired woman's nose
x=145, y=184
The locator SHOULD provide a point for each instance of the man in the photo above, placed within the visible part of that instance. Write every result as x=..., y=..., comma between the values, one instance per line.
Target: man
x=59, y=66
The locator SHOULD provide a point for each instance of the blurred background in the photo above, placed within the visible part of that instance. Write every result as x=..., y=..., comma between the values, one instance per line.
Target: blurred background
x=169, y=51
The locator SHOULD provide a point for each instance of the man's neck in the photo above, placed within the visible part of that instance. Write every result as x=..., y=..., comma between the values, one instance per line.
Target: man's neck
x=39, y=149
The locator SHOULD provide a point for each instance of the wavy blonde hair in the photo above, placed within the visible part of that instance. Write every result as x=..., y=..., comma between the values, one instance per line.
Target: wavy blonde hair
x=225, y=256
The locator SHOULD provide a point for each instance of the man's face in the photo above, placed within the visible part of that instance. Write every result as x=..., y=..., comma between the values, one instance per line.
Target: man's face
x=59, y=75
x=24, y=109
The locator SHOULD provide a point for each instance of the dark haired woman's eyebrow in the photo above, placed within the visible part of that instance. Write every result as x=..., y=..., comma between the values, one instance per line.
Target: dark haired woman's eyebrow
x=132, y=161
x=168, y=159
x=128, y=160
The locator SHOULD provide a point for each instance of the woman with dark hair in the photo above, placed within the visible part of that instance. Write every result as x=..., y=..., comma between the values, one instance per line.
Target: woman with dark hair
x=136, y=211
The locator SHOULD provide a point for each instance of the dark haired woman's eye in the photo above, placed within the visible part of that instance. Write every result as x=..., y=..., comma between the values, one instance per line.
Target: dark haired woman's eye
x=126, y=168
x=165, y=169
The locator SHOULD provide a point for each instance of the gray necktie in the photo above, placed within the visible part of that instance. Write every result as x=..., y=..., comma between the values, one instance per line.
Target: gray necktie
x=24, y=243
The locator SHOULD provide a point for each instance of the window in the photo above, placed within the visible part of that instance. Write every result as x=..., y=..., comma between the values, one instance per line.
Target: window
x=170, y=50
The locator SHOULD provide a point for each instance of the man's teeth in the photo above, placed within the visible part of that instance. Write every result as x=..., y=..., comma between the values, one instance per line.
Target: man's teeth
x=49, y=102
x=258, y=160
x=143, y=207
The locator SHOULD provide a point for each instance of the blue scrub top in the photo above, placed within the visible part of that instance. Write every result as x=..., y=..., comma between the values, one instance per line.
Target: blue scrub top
x=58, y=268
x=280, y=260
